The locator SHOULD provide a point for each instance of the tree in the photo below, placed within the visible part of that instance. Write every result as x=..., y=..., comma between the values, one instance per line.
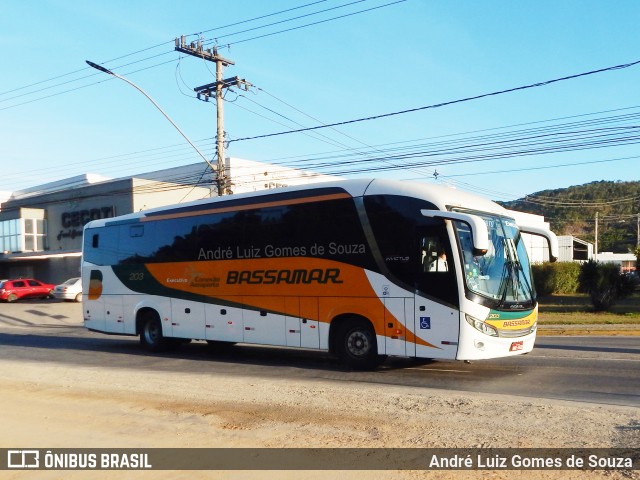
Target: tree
x=572, y=212
x=604, y=284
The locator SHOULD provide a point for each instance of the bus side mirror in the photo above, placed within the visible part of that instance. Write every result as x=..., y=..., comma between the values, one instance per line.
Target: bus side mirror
x=548, y=235
x=479, y=232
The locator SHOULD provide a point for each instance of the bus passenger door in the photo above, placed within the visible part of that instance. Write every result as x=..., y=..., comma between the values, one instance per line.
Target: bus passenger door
x=187, y=319
x=409, y=309
x=113, y=313
x=437, y=326
x=395, y=319
x=436, y=318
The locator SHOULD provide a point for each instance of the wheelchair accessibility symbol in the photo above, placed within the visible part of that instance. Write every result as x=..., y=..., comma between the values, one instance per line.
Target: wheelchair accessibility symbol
x=425, y=323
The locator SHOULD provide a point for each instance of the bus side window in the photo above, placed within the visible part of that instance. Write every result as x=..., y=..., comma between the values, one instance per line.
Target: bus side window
x=101, y=248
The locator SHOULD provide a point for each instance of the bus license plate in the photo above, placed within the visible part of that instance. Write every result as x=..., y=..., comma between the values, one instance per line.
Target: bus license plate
x=515, y=346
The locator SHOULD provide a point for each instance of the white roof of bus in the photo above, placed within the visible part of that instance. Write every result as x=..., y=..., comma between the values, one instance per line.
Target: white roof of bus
x=442, y=196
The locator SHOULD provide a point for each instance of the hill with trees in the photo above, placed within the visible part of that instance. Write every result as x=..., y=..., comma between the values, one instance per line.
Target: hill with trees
x=572, y=211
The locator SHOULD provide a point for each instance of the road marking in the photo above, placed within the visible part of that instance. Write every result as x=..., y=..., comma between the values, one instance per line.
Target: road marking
x=594, y=358
x=436, y=370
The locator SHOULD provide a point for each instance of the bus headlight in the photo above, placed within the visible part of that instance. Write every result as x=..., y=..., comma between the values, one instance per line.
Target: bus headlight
x=481, y=326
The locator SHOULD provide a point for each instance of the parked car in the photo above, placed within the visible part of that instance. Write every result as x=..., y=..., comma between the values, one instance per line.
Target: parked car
x=12, y=290
x=69, y=290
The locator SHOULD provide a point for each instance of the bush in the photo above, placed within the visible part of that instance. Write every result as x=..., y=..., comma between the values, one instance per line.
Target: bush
x=543, y=278
x=561, y=277
x=604, y=284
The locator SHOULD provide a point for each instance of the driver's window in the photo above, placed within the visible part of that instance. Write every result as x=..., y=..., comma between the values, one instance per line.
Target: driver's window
x=433, y=257
x=436, y=275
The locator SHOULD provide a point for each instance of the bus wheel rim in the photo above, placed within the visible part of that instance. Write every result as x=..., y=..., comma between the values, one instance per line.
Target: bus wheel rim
x=152, y=333
x=358, y=344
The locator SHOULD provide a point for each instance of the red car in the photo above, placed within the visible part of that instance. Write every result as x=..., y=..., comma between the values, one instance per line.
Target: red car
x=12, y=290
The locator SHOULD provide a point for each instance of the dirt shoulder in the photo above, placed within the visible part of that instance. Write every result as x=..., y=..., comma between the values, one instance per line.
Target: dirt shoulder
x=54, y=406
x=58, y=406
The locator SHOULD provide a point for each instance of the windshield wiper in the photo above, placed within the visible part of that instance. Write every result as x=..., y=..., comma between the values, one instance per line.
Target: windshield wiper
x=525, y=281
x=518, y=265
x=507, y=272
x=511, y=274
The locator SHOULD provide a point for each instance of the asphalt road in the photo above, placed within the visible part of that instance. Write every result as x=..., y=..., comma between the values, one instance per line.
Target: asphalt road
x=603, y=370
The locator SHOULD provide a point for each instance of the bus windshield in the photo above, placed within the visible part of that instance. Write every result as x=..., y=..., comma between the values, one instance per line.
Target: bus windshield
x=501, y=277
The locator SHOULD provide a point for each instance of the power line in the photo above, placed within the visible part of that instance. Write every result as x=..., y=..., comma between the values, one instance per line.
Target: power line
x=83, y=78
x=315, y=23
x=453, y=178
x=260, y=17
x=319, y=137
x=169, y=42
x=560, y=165
x=323, y=123
x=476, y=152
x=443, y=104
x=161, y=54
x=563, y=203
x=215, y=41
x=463, y=150
x=356, y=150
x=81, y=87
x=454, y=150
x=508, y=134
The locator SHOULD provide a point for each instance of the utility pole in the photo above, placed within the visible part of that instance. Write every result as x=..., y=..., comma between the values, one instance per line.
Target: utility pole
x=215, y=90
x=596, y=253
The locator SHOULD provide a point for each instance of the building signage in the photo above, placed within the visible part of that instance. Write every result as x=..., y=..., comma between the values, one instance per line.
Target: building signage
x=72, y=222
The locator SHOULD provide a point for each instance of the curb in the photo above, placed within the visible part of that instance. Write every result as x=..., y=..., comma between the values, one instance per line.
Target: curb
x=586, y=329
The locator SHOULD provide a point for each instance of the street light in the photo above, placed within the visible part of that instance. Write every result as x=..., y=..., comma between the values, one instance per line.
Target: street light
x=109, y=72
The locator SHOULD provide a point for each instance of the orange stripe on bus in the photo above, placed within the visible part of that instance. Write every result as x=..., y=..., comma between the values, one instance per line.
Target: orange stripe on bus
x=350, y=291
x=239, y=208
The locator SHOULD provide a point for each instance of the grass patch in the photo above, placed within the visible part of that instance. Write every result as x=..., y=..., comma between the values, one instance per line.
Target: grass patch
x=577, y=309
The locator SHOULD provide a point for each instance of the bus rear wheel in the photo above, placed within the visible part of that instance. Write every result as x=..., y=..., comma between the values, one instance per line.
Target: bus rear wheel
x=357, y=346
x=151, y=336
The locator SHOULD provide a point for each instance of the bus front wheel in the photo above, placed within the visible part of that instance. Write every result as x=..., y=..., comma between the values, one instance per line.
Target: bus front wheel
x=151, y=336
x=357, y=346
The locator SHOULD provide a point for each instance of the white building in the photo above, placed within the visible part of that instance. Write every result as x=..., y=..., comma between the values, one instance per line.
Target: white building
x=41, y=227
x=625, y=261
x=572, y=249
x=537, y=247
x=245, y=175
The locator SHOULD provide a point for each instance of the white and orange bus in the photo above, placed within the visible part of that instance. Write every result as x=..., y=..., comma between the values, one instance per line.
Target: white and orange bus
x=360, y=268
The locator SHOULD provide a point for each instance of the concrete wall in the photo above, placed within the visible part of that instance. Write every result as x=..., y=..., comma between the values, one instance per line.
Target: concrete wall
x=537, y=247
x=67, y=210
x=151, y=194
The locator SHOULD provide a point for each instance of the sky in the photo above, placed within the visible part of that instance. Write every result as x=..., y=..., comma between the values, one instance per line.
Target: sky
x=341, y=60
